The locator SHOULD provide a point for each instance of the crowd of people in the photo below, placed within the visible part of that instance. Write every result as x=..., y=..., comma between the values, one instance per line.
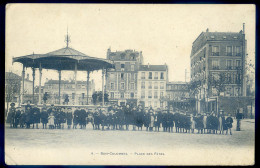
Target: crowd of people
x=119, y=118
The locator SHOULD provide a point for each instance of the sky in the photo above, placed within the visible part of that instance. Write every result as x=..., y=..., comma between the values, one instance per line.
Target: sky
x=164, y=33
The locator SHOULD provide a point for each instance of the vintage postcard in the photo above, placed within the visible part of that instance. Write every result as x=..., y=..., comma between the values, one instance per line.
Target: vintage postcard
x=130, y=84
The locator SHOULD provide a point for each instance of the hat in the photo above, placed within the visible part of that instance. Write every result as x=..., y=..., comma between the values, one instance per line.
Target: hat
x=12, y=104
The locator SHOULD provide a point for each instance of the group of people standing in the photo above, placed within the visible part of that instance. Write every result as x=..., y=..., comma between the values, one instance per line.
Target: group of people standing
x=119, y=118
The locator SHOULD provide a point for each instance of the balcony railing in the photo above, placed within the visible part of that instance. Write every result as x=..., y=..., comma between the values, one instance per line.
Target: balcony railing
x=215, y=53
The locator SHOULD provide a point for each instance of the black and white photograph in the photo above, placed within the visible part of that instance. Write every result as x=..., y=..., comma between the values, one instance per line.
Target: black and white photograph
x=129, y=84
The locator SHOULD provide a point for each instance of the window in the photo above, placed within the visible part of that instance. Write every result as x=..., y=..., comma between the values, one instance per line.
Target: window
x=143, y=75
x=132, y=76
x=122, y=56
x=73, y=95
x=162, y=75
x=122, y=76
x=215, y=64
x=155, y=85
x=150, y=94
x=155, y=94
x=132, y=67
x=237, y=51
x=82, y=95
x=150, y=75
x=229, y=64
x=143, y=85
x=156, y=75
x=228, y=78
x=122, y=95
x=215, y=51
x=112, y=95
x=229, y=50
x=112, y=86
x=161, y=85
x=237, y=91
x=161, y=94
x=149, y=103
x=132, y=86
x=132, y=95
x=150, y=85
x=122, y=66
x=155, y=104
x=228, y=91
x=142, y=94
x=238, y=64
x=132, y=56
x=215, y=76
x=122, y=86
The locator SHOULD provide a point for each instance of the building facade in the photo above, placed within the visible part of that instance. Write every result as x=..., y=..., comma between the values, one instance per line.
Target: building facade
x=151, y=83
x=121, y=82
x=217, y=68
x=178, y=96
x=13, y=87
x=67, y=87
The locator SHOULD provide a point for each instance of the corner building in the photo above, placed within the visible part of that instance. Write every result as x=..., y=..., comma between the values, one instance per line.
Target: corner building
x=217, y=68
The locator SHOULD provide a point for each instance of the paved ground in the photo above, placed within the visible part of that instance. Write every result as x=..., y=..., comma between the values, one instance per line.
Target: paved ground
x=38, y=146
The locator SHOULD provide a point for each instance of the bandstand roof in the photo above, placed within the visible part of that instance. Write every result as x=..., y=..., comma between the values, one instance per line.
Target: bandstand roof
x=64, y=59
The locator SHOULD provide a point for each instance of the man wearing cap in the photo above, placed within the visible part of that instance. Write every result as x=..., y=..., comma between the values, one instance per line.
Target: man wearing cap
x=44, y=117
x=11, y=115
x=69, y=118
x=36, y=115
x=17, y=117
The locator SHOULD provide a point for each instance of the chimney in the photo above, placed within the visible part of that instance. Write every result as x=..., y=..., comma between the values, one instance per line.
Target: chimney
x=207, y=30
x=148, y=65
x=243, y=28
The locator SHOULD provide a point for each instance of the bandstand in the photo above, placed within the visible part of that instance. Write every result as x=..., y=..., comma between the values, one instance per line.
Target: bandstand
x=64, y=59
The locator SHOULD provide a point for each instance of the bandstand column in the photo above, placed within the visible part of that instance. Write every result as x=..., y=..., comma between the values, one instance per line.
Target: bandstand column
x=103, y=102
x=59, y=84
x=23, y=76
x=75, y=92
x=33, y=75
x=87, y=86
x=40, y=83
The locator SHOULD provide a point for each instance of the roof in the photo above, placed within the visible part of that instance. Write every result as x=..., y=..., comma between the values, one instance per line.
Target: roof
x=204, y=37
x=64, y=59
x=65, y=82
x=11, y=75
x=152, y=67
x=177, y=82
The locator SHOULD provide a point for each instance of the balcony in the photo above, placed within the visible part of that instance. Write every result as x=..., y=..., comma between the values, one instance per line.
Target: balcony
x=215, y=67
x=215, y=53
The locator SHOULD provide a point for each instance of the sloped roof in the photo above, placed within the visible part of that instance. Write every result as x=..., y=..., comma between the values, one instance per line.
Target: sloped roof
x=152, y=67
x=64, y=59
x=65, y=82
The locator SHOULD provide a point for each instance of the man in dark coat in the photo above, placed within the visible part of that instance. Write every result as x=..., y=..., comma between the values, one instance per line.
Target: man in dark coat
x=17, y=117
x=158, y=119
x=228, y=123
x=69, y=117
x=76, y=118
x=128, y=116
x=170, y=118
x=11, y=115
x=139, y=118
x=36, y=115
x=97, y=119
x=22, y=119
x=199, y=123
x=28, y=108
x=44, y=117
